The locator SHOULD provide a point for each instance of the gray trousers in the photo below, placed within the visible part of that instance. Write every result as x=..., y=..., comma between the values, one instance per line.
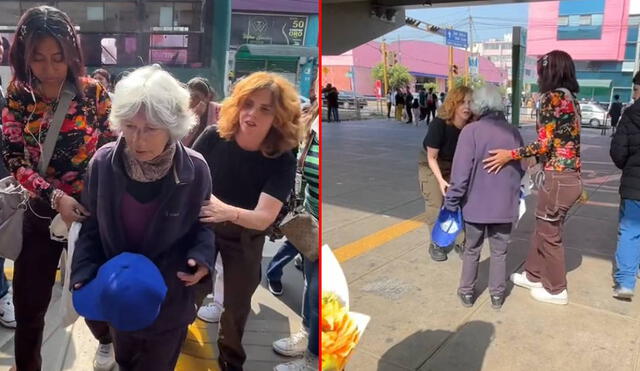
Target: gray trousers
x=498, y=235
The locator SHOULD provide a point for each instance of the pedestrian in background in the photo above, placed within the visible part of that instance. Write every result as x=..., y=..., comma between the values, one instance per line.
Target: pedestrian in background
x=104, y=77
x=399, y=104
x=625, y=153
x=489, y=202
x=389, y=103
x=305, y=342
x=558, y=144
x=408, y=103
x=432, y=105
x=615, y=111
x=253, y=171
x=436, y=157
x=46, y=59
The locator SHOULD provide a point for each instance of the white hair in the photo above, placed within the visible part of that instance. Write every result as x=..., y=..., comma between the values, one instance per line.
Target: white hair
x=153, y=91
x=486, y=98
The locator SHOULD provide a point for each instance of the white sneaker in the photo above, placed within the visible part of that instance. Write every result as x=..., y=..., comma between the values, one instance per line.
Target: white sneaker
x=293, y=346
x=541, y=294
x=105, y=358
x=520, y=279
x=308, y=363
x=210, y=313
x=7, y=312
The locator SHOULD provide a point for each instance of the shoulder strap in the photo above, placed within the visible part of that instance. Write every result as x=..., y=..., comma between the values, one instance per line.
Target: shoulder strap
x=305, y=151
x=52, y=135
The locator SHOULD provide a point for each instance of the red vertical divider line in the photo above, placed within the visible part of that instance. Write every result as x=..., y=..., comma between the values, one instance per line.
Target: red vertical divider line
x=320, y=168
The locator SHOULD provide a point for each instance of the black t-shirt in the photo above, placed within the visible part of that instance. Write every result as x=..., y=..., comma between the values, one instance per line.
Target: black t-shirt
x=238, y=176
x=443, y=137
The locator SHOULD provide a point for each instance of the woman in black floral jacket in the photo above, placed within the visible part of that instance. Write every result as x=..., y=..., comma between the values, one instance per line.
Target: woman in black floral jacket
x=45, y=56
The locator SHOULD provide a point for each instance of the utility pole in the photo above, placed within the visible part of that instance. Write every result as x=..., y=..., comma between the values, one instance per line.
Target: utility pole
x=450, y=78
x=384, y=68
x=470, y=50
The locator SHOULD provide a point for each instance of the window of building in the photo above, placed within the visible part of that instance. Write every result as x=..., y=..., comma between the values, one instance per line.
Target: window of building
x=563, y=21
x=596, y=19
x=120, y=17
x=89, y=16
x=585, y=20
x=574, y=20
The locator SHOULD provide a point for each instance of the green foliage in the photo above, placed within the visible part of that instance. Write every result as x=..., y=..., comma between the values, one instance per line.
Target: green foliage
x=428, y=85
x=398, y=75
x=475, y=82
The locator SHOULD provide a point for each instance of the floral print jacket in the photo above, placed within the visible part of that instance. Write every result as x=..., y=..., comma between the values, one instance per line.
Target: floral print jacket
x=558, y=133
x=84, y=129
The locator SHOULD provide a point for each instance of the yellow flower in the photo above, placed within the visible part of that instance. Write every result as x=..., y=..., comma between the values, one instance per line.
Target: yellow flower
x=339, y=333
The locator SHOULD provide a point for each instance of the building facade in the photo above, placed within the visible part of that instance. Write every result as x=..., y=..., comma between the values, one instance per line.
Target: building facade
x=600, y=35
x=426, y=61
x=500, y=52
x=278, y=36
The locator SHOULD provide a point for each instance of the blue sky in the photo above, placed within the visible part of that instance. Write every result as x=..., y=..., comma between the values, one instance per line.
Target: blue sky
x=490, y=21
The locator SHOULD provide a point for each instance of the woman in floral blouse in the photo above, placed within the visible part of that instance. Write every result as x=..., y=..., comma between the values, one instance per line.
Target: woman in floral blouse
x=558, y=147
x=45, y=56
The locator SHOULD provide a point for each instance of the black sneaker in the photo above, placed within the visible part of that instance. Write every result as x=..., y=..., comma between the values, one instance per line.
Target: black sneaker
x=275, y=287
x=437, y=254
x=497, y=301
x=466, y=299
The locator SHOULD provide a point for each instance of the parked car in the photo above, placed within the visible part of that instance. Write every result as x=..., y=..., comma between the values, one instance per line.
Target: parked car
x=345, y=100
x=304, y=102
x=593, y=115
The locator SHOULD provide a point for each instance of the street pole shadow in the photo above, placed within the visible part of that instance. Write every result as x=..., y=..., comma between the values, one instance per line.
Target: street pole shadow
x=440, y=350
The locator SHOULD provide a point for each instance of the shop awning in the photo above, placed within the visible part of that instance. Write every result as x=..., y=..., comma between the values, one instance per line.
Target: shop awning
x=594, y=83
x=279, y=50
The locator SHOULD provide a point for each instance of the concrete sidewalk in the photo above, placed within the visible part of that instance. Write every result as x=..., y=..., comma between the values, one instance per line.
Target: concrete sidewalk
x=272, y=318
x=370, y=184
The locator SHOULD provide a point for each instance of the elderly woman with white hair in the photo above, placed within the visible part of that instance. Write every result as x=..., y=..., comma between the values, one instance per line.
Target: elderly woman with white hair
x=144, y=194
x=489, y=202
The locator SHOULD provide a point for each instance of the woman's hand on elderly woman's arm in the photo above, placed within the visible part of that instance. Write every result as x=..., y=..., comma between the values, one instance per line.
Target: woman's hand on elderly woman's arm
x=497, y=160
x=260, y=218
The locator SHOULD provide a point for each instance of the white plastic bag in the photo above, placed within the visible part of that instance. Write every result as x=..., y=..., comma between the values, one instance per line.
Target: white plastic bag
x=68, y=313
x=335, y=281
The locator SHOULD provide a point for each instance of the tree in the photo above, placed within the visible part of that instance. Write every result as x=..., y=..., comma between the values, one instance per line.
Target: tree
x=428, y=85
x=398, y=75
x=474, y=83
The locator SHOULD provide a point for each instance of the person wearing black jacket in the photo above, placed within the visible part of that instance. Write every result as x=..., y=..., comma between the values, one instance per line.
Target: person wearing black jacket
x=625, y=153
x=615, y=112
x=408, y=102
x=432, y=105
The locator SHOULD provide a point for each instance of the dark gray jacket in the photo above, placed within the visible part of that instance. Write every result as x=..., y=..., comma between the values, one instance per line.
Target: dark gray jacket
x=173, y=236
x=485, y=198
x=625, y=152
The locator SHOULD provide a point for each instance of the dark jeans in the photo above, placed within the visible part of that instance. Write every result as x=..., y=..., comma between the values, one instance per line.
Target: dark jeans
x=158, y=353
x=498, y=235
x=241, y=252
x=409, y=114
x=423, y=113
x=4, y=284
x=388, y=110
x=431, y=113
x=333, y=111
x=285, y=254
x=310, y=304
x=34, y=276
x=545, y=262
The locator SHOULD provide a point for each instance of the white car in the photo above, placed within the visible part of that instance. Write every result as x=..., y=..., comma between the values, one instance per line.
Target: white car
x=304, y=102
x=594, y=115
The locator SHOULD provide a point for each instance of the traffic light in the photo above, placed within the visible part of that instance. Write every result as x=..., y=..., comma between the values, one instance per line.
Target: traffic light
x=434, y=29
x=412, y=21
x=454, y=69
x=392, y=58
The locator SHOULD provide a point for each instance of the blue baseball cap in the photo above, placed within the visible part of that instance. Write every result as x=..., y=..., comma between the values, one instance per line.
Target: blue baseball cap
x=127, y=292
x=446, y=228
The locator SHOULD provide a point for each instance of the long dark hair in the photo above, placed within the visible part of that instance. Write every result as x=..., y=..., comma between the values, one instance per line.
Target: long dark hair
x=557, y=70
x=34, y=25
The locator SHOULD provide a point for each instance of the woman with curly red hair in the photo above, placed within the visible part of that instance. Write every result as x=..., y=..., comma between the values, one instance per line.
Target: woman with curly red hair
x=253, y=171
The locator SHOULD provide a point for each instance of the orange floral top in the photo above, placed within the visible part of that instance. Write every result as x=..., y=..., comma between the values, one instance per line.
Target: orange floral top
x=84, y=129
x=558, y=134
